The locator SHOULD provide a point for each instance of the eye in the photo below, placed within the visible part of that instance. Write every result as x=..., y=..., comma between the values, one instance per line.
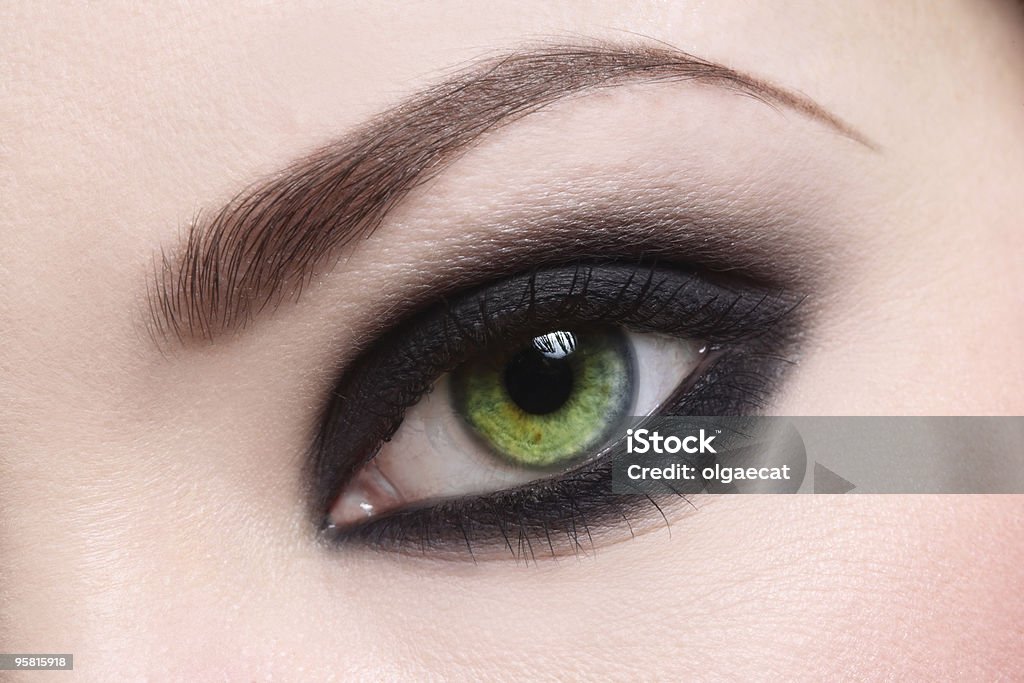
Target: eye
x=513, y=415
x=498, y=407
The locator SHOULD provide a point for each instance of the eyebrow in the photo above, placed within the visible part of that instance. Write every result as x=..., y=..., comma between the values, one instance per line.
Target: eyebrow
x=266, y=244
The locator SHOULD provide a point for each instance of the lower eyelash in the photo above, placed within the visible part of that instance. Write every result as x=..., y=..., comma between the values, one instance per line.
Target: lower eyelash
x=554, y=517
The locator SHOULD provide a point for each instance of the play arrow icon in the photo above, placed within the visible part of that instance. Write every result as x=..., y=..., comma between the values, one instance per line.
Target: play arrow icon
x=827, y=481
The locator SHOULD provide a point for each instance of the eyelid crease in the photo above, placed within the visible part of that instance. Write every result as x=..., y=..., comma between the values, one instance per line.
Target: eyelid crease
x=266, y=244
x=753, y=248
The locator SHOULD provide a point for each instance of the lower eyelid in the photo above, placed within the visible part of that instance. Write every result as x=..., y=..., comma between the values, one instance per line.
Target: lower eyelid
x=525, y=525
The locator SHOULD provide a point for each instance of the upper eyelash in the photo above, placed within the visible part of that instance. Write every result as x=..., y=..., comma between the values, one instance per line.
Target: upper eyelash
x=629, y=290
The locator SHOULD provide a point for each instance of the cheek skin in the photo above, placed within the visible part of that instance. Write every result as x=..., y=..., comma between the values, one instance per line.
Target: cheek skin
x=769, y=586
x=752, y=583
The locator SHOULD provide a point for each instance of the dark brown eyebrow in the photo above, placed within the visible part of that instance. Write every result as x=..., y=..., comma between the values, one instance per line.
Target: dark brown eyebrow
x=266, y=244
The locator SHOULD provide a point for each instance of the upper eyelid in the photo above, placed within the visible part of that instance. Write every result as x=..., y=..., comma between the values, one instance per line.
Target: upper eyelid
x=755, y=248
x=263, y=246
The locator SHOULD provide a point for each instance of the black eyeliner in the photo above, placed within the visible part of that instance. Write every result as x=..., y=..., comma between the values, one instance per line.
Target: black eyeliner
x=748, y=327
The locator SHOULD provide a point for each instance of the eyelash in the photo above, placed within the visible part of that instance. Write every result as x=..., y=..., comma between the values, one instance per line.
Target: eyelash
x=748, y=329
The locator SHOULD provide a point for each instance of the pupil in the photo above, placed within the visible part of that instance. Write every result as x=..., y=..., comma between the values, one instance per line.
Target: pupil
x=539, y=379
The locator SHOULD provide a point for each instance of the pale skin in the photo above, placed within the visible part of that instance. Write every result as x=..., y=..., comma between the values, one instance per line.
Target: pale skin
x=152, y=520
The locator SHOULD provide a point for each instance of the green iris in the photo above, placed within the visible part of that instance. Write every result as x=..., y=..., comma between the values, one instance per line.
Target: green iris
x=550, y=401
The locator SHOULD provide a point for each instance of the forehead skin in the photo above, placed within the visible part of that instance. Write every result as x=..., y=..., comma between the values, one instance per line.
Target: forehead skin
x=149, y=515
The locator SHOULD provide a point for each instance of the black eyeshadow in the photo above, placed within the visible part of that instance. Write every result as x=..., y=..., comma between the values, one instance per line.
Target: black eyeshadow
x=750, y=330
